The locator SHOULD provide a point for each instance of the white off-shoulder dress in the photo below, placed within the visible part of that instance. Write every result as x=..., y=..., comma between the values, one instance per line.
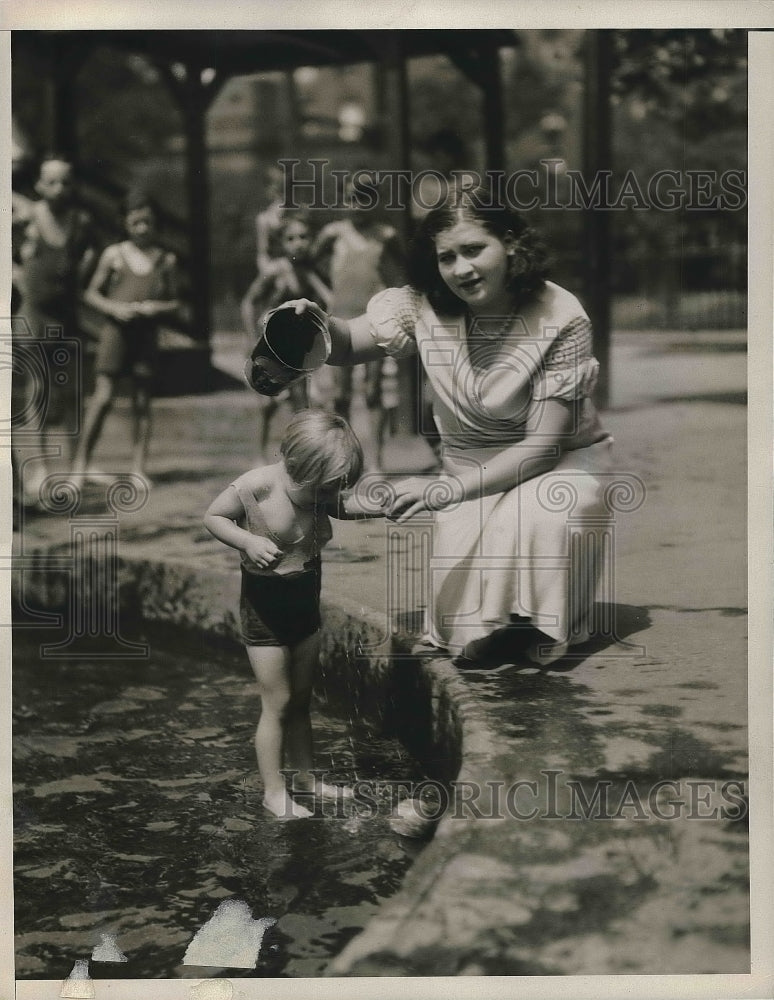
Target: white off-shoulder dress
x=535, y=551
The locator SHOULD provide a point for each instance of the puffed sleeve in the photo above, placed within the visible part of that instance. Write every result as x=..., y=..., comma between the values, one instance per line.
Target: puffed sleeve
x=569, y=369
x=393, y=315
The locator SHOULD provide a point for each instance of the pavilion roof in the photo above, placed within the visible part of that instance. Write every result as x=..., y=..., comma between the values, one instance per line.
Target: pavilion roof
x=250, y=51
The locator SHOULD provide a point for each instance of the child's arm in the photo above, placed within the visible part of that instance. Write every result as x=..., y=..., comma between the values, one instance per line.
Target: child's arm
x=94, y=295
x=253, y=295
x=268, y=290
x=322, y=250
x=220, y=522
x=359, y=505
x=88, y=243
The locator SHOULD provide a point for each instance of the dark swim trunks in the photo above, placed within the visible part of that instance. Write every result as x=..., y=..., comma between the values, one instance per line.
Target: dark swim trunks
x=128, y=348
x=279, y=610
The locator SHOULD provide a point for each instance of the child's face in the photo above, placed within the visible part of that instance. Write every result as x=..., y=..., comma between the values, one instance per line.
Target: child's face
x=295, y=241
x=56, y=183
x=140, y=226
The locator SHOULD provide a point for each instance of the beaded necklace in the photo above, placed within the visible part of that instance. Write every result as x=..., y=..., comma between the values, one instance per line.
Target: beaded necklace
x=472, y=326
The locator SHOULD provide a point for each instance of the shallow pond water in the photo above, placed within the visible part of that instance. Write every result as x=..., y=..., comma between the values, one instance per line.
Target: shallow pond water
x=137, y=812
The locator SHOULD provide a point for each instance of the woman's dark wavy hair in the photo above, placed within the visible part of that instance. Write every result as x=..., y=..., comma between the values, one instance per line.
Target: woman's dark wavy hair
x=529, y=263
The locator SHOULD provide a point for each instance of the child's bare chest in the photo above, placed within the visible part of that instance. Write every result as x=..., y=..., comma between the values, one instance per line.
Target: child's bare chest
x=55, y=232
x=139, y=261
x=286, y=522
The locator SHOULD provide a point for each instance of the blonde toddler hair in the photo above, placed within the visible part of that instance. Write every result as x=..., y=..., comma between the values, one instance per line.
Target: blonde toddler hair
x=321, y=449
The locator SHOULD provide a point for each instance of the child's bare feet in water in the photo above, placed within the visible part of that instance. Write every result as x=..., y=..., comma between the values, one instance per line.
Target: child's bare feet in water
x=325, y=791
x=283, y=807
x=322, y=789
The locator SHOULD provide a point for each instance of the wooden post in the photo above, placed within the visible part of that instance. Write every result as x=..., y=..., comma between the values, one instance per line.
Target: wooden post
x=494, y=109
x=198, y=213
x=394, y=126
x=65, y=62
x=395, y=122
x=597, y=156
x=194, y=96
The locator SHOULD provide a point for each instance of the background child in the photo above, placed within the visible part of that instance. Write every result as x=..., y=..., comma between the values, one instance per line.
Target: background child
x=290, y=276
x=277, y=516
x=135, y=284
x=361, y=255
x=383, y=399
x=56, y=254
x=268, y=222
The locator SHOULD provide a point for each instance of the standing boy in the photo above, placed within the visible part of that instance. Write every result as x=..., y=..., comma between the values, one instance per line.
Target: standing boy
x=56, y=254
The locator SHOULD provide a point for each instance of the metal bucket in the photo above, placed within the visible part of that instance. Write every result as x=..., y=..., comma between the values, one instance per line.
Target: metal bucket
x=292, y=346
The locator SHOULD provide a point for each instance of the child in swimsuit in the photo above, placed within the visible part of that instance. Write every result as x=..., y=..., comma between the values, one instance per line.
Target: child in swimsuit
x=55, y=245
x=277, y=516
x=134, y=286
x=283, y=278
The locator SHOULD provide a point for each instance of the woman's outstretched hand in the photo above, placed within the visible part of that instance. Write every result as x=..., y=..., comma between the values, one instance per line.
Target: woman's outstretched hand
x=306, y=305
x=418, y=493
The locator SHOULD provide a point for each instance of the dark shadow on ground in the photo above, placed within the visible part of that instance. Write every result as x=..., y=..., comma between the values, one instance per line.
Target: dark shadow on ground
x=186, y=374
x=701, y=347
x=166, y=477
x=507, y=646
x=219, y=380
x=734, y=398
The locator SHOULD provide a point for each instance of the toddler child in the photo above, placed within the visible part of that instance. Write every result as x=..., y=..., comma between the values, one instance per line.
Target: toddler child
x=277, y=516
x=134, y=285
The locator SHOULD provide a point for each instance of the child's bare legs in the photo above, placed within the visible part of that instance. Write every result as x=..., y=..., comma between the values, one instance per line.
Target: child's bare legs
x=97, y=409
x=284, y=733
x=299, y=745
x=377, y=445
x=272, y=668
x=141, y=425
x=30, y=463
x=383, y=423
x=299, y=748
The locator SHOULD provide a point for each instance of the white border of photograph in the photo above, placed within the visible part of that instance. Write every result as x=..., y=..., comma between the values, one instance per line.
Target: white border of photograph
x=296, y=14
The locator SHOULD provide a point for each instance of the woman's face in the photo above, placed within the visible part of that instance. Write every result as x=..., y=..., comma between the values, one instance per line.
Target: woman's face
x=474, y=265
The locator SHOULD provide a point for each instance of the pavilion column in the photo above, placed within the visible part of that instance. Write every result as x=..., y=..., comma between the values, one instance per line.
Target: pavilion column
x=65, y=61
x=481, y=64
x=395, y=127
x=597, y=156
x=194, y=88
x=394, y=123
x=494, y=109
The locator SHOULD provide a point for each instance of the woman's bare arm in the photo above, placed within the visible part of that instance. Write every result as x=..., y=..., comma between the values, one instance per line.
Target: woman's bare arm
x=548, y=426
x=365, y=501
x=351, y=340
